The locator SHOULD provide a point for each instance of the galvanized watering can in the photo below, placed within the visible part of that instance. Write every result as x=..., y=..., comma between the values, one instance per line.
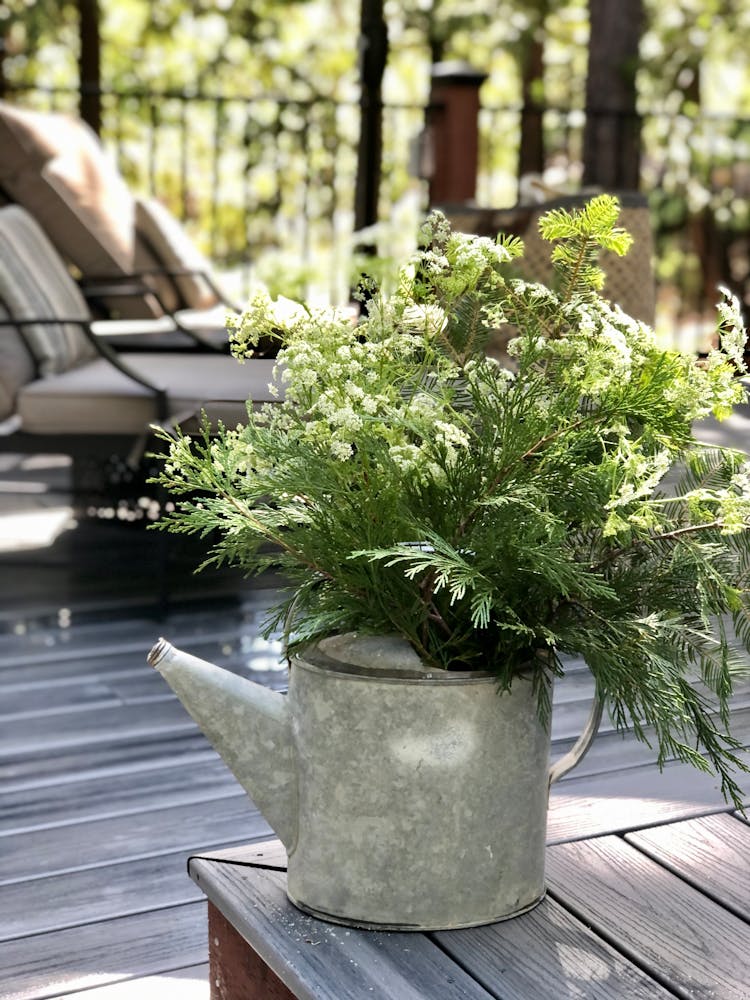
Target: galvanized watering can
x=407, y=798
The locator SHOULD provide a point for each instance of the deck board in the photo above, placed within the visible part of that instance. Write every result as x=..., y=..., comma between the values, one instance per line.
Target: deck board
x=107, y=786
x=149, y=833
x=97, y=894
x=636, y=797
x=79, y=958
x=665, y=925
x=115, y=795
x=181, y=984
x=122, y=754
x=528, y=956
x=347, y=964
x=712, y=853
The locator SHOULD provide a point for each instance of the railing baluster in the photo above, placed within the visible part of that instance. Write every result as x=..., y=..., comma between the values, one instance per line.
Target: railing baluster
x=153, y=113
x=216, y=173
x=184, y=157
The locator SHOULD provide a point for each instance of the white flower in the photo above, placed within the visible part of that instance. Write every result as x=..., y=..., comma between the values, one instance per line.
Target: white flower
x=451, y=435
x=733, y=336
x=341, y=450
x=347, y=419
x=405, y=456
x=286, y=312
x=427, y=319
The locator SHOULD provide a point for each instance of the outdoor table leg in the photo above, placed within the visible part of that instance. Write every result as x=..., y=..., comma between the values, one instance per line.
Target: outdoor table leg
x=237, y=972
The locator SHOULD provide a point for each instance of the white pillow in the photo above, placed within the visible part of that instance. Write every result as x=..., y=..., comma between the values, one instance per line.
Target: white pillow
x=175, y=251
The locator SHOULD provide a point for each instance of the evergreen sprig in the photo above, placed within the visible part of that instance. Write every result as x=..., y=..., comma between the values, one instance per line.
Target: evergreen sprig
x=498, y=516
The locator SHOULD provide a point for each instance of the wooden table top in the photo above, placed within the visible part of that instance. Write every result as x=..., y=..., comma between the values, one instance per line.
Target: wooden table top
x=651, y=913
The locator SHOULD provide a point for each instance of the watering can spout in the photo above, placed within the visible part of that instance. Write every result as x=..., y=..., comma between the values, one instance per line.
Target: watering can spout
x=246, y=723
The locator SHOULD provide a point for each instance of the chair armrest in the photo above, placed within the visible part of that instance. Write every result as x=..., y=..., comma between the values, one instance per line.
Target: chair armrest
x=120, y=280
x=124, y=285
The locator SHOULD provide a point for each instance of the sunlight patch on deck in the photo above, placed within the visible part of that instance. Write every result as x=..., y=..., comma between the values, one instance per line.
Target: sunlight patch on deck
x=35, y=530
x=185, y=984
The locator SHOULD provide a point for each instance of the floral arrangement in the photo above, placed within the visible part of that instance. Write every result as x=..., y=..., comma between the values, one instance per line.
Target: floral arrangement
x=498, y=514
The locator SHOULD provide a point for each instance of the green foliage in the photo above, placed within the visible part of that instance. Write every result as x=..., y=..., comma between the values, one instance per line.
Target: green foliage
x=581, y=235
x=497, y=517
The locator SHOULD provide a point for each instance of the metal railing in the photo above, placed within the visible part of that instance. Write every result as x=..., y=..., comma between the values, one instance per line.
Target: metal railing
x=266, y=185
x=258, y=182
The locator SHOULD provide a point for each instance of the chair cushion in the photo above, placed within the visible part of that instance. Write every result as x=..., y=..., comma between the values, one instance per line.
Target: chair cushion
x=16, y=366
x=172, y=247
x=96, y=398
x=55, y=167
x=34, y=284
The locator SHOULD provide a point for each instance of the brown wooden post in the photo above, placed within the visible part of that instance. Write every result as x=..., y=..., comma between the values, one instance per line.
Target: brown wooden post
x=453, y=132
x=531, y=145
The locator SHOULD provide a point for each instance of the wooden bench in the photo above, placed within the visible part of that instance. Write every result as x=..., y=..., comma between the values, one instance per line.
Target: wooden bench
x=649, y=915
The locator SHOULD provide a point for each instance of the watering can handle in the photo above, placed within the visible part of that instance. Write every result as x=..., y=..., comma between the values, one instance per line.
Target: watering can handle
x=579, y=749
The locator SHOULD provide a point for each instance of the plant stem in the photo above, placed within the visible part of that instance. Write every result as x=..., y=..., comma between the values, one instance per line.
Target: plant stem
x=689, y=529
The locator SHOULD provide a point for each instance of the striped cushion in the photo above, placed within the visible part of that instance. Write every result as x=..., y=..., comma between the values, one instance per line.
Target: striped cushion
x=16, y=366
x=34, y=284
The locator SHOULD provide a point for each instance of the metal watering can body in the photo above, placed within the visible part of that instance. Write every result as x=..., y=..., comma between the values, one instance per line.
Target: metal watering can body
x=407, y=798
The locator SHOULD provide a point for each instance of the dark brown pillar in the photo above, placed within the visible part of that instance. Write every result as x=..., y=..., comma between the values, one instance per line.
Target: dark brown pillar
x=373, y=41
x=89, y=65
x=453, y=132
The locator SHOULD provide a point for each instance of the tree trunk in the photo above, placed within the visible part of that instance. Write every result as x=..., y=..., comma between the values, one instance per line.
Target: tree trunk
x=531, y=148
x=3, y=54
x=611, y=142
x=89, y=71
x=373, y=56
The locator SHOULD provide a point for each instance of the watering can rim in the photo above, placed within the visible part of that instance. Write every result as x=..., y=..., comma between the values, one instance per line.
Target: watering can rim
x=311, y=657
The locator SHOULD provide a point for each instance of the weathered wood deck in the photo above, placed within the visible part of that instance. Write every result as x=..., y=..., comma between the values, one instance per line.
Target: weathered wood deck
x=100, y=768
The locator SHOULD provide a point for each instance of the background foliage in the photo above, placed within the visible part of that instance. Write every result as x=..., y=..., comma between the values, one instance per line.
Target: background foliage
x=279, y=163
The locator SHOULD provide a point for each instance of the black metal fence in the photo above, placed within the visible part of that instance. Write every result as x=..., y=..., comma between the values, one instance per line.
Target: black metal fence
x=266, y=186
x=262, y=184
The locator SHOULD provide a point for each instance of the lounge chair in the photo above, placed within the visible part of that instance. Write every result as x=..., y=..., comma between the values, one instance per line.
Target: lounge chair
x=133, y=258
x=64, y=390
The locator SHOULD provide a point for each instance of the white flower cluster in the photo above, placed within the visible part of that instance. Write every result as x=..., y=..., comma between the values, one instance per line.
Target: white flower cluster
x=397, y=377
x=599, y=346
x=263, y=317
x=639, y=474
x=731, y=328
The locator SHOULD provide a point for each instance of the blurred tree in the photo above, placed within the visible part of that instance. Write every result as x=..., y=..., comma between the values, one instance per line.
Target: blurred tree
x=282, y=133
x=26, y=27
x=373, y=55
x=611, y=142
x=694, y=76
x=89, y=64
